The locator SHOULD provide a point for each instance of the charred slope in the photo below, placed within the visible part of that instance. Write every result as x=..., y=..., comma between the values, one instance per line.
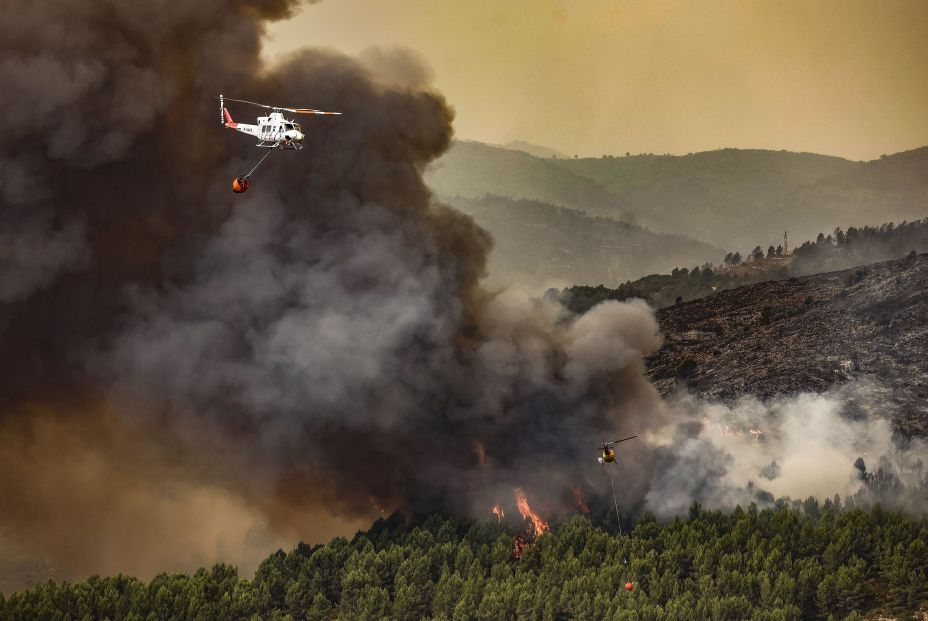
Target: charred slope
x=806, y=334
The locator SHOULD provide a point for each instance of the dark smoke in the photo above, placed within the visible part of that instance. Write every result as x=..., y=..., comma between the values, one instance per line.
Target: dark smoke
x=319, y=347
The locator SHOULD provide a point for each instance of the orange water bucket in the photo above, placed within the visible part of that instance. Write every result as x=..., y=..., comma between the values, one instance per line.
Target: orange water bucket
x=240, y=185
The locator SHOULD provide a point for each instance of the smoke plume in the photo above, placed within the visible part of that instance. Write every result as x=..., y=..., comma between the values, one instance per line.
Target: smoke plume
x=794, y=447
x=189, y=366
x=193, y=376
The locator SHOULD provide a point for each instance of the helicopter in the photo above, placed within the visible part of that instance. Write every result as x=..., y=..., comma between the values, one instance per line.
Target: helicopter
x=608, y=457
x=273, y=131
x=608, y=452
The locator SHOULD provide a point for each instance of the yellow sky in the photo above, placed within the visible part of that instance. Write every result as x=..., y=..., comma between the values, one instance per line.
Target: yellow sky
x=843, y=77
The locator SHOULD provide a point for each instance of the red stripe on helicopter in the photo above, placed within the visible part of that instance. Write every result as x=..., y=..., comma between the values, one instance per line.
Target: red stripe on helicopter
x=229, y=121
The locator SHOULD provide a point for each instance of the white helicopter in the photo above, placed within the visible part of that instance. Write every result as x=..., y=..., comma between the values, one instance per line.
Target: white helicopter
x=272, y=131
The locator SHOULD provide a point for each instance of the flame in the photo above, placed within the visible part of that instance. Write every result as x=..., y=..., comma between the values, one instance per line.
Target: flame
x=727, y=431
x=578, y=494
x=538, y=523
x=518, y=543
x=498, y=512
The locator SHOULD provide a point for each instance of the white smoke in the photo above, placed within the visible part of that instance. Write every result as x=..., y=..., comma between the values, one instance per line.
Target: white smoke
x=754, y=451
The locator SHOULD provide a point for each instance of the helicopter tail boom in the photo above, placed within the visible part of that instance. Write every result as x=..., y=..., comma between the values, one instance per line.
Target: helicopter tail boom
x=228, y=119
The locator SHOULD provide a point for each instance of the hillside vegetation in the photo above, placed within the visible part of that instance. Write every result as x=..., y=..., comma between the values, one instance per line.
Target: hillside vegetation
x=806, y=334
x=843, y=250
x=799, y=561
x=533, y=149
x=473, y=169
x=539, y=245
x=729, y=198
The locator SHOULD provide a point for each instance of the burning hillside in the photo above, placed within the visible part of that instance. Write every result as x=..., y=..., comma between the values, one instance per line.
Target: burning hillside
x=319, y=351
x=290, y=363
x=806, y=334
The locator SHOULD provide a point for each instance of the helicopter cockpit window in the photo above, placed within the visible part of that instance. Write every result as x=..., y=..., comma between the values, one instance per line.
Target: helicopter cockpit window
x=296, y=126
x=288, y=126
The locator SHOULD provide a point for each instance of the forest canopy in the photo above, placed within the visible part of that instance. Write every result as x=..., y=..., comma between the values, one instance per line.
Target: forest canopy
x=836, y=251
x=798, y=560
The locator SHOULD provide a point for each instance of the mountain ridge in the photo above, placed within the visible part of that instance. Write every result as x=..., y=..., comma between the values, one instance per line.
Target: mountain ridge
x=539, y=245
x=730, y=198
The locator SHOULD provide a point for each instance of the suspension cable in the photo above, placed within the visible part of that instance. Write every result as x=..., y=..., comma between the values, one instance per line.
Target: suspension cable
x=250, y=172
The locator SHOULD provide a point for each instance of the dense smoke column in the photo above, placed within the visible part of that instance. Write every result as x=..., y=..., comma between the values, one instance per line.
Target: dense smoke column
x=319, y=346
x=107, y=143
x=320, y=342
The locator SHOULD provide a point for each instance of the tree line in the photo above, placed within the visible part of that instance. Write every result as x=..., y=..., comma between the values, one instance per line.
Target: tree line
x=836, y=251
x=857, y=246
x=660, y=290
x=792, y=561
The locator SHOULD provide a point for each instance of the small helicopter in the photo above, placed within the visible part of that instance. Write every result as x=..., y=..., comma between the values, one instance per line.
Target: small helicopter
x=608, y=457
x=273, y=131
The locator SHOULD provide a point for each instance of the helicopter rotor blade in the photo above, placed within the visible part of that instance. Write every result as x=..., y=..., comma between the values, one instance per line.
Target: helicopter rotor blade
x=308, y=111
x=294, y=110
x=622, y=440
x=253, y=103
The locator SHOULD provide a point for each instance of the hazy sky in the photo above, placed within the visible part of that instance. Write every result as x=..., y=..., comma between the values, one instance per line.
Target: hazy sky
x=843, y=77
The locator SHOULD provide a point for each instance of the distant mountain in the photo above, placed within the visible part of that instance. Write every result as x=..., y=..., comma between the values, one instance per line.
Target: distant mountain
x=473, y=169
x=539, y=245
x=533, y=149
x=739, y=198
x=734, y=199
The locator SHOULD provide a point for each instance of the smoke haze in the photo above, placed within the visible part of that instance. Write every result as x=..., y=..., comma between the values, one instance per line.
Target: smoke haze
x=799, y=446
x=191, y=376
x=319, y=349
x=841, y=77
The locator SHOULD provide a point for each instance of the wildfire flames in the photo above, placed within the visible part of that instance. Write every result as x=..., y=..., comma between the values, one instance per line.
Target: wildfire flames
x=729, y=432
x=538, y=523
x=581, y=502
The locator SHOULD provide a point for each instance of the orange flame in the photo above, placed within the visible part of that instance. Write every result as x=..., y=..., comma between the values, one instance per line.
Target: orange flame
x=538, y=523
x=578, y=494
x=498, y=512
x=730, y=432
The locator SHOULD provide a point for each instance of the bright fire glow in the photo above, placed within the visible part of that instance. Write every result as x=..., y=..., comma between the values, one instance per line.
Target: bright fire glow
x=578, y=494
x=730, y=432
x=498, y=512
x=538, y=523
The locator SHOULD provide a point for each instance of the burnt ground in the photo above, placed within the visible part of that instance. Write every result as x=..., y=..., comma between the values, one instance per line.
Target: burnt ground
x=806, y=334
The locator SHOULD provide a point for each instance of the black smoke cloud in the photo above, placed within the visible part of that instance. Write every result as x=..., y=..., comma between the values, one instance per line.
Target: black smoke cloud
x=193, y=376
x=318, y=347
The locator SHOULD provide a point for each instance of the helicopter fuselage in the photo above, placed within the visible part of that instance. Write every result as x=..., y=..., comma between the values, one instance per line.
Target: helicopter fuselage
x=608, y=456
x=272, y=130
